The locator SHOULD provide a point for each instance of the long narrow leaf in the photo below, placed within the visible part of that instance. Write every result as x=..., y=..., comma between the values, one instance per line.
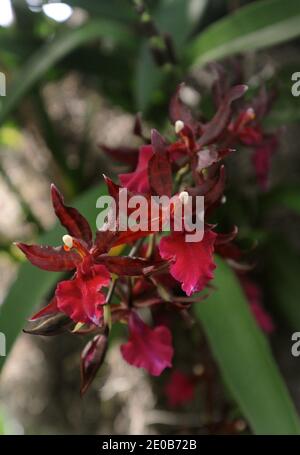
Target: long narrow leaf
x=245, y=359
x=255, y=26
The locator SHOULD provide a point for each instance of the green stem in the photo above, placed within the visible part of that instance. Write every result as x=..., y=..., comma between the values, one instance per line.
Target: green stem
x=160, y=44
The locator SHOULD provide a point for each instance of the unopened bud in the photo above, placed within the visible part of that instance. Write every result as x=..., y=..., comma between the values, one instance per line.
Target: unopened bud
x=68, y=241
x=92, y=358
x=179, y=125
x=52, y=324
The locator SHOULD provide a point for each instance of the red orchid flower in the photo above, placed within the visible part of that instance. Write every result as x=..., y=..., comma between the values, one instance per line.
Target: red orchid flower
x=165, y=264
x=182, y=255
x=247, y=130
x=80, y=297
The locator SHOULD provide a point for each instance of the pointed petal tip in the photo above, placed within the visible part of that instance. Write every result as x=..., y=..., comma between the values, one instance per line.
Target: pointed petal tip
x=53, y=188
x=155, y=134
x=108, y=180
x=22, y=246
x=30, y=332
x=55, y=193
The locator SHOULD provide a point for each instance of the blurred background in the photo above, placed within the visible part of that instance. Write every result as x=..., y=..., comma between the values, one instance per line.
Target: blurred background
x=76, y=73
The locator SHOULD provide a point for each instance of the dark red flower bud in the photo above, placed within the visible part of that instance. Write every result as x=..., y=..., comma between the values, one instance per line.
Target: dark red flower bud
x=92, y=358
x=50, y=325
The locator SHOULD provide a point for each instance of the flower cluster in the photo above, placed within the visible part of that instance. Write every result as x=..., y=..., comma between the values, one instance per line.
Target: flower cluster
x=108, y=286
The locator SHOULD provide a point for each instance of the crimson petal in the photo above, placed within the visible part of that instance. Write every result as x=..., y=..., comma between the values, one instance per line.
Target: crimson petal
x=125, y=155
x=128, y=266
x=81, y=298
x=104, y=241
x=138, y=180
x=148, y=348
x=76, y=225
x=51, y=308
x=53, y=259
x=112, y=188
x=159, y=168
x=214, y=128
x=193, y=264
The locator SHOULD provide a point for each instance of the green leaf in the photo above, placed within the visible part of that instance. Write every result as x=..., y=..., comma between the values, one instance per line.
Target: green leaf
x=2, y=426
x=244, y=358
x=176, y=18
x=51, y=53
x=32, y=284
x=255, y=26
